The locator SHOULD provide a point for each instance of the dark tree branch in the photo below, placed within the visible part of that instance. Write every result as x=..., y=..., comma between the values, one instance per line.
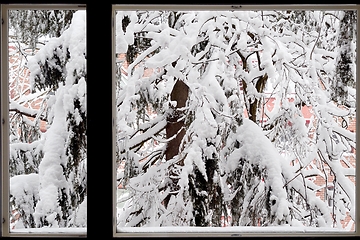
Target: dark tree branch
x=27, y=114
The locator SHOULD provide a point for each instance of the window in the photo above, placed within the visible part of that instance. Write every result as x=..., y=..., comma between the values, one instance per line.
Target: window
x=174, y=82
x=235, y=120
x=44, y=120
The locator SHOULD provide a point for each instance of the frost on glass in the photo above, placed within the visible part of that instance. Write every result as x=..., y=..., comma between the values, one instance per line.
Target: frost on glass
x=236, y=119
x=47, y=95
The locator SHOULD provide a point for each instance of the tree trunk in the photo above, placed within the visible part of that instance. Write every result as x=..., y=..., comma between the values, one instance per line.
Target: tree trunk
x=174, y=126
x=175, y=130
x=255, y=104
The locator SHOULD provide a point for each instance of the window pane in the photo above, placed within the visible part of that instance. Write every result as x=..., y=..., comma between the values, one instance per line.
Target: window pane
x=236, y=119
x=47, y=116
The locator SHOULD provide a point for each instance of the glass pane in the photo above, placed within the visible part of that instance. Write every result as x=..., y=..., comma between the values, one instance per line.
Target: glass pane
x=47, y=115
x=236, y=120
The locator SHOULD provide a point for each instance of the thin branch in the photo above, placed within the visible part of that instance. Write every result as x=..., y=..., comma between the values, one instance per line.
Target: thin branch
x=317, y=39
x=27, y=114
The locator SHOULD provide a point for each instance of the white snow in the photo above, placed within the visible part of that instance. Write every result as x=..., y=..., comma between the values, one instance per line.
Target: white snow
x=211, y=50
x=239, y=230
x=293, y=62
x=45, y=230
x=256, y=147
x=50, y=183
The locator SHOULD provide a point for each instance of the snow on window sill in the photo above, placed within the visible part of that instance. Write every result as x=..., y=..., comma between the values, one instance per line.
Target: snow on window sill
x=45, y=230
x=237, y=229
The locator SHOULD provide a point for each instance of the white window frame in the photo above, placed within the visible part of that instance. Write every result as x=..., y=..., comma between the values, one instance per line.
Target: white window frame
x=142, y=232
x=5, y=180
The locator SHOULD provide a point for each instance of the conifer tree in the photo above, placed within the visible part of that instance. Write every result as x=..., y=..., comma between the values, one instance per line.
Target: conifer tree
x=58, y=72
x=193, y=127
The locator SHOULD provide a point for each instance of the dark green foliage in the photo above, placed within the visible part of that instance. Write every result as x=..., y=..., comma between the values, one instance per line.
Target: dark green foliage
x=345, y=76
x=25, y=161
x=30, y=25
x=52, y=70
x=251, y=203
x=197, y=184
x=27, y=218
x=76, y=153
x=77, y=142
x=140, y=43
x=207, y=196
x=64, y=204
